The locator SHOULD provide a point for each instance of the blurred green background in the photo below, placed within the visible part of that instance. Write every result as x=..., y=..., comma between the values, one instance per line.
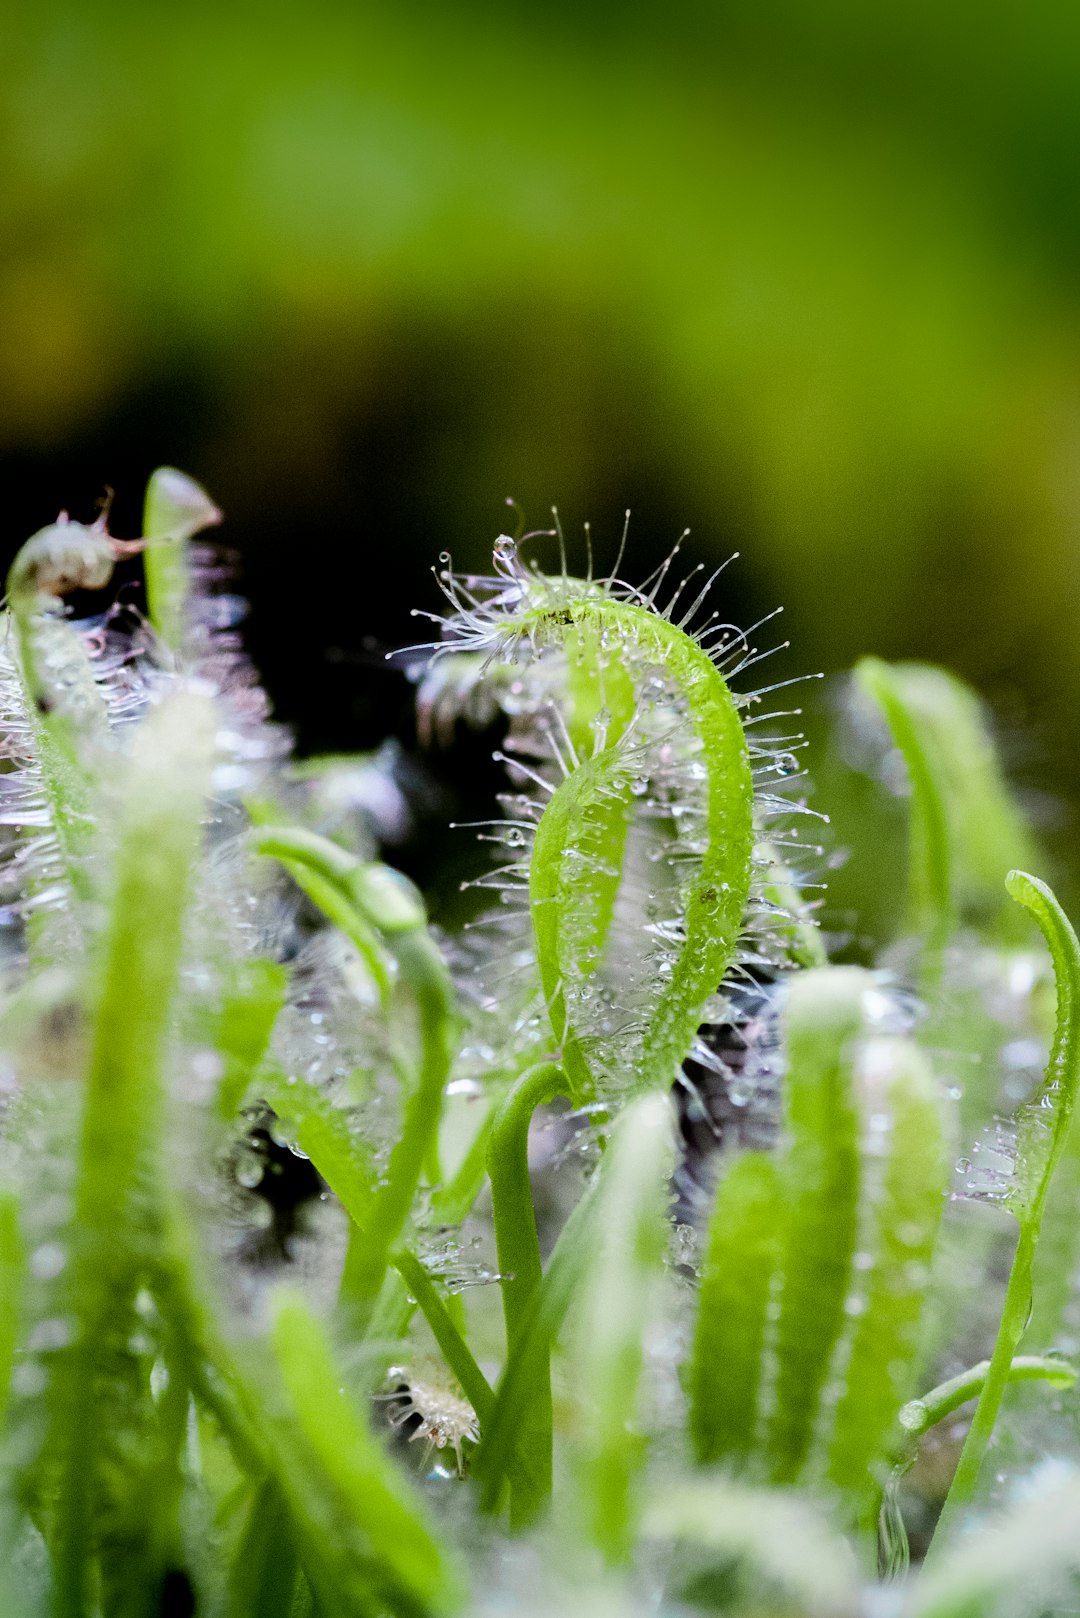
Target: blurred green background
x=805, y=278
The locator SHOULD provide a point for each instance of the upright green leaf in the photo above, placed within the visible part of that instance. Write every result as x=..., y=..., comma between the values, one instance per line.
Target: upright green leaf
x=518, y=1249
x=737, y=1283
x=1042, y=1135
x=115, y=1223
x=820, y=1174
x=265, y=1571
x=506, y=1450
x=1043, y=1122
x=580, y=844
x=931, y=879
x=966, y=831
x=907, y=1171
x=369, y=1547
x=12, y=1280
x=65, y=710
x=617, y=1302
x=176, y=510
x=323, y=1133
x=576, y=863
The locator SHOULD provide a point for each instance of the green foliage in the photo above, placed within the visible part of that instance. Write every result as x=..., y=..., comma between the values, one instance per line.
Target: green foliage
x=1042, y=1134
x=580, y=843
x=966, y=832
x=97, y=1385
x=818, y=1259
x=786, y=1546
x=704, y=1382
x=820, y=1176
x=518, y=1250
x=618, y=1297
x=356, y=1495
x=176, y=509
x=737, y=1281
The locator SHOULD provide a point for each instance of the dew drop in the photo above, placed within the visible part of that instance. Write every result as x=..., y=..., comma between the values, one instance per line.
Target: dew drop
x=51, y=1335
x=913, y=1416
x=249, y=1169
x=29, y=1379
x=48, y=1261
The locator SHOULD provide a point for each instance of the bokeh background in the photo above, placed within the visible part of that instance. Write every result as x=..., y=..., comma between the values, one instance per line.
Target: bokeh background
x=804, y=278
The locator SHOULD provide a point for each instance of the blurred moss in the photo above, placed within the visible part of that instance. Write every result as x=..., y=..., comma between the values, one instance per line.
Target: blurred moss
x=804, y=277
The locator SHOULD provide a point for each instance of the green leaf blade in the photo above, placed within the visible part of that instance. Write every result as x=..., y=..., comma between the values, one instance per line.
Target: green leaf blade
x=580, y=850
x=741, y=1266
x=900, y=1097
x=176, y=509
x=1044, y=1120
x=387, y=1552
x=250, y=1008
x=119, y=1162
x=820, y=1174
x=617, y=1301
x=1042, y=1137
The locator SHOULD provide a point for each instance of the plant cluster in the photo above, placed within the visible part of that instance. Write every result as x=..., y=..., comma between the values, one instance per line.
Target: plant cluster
x=607, y=1255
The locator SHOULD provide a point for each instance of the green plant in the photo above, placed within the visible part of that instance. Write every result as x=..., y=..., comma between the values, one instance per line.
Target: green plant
x=706, y=1396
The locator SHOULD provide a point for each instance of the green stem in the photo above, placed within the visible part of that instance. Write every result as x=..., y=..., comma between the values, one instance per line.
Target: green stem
x=422, y=966
x=456, y=1352
x=508, y=1450
x=920, y=1415
x=343, y=915
x=520, y=1268
x=198, y=1350
x=385, y=1333
x=511, y=1193
x=1014, y=1318
x=379, y=899
x=1042, y=1132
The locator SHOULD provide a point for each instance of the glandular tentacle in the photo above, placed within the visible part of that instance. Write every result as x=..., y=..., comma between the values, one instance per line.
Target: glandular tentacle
x=645, y=819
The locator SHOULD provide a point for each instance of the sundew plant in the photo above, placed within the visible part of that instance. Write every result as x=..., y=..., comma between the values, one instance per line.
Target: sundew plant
x=615, y=1251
